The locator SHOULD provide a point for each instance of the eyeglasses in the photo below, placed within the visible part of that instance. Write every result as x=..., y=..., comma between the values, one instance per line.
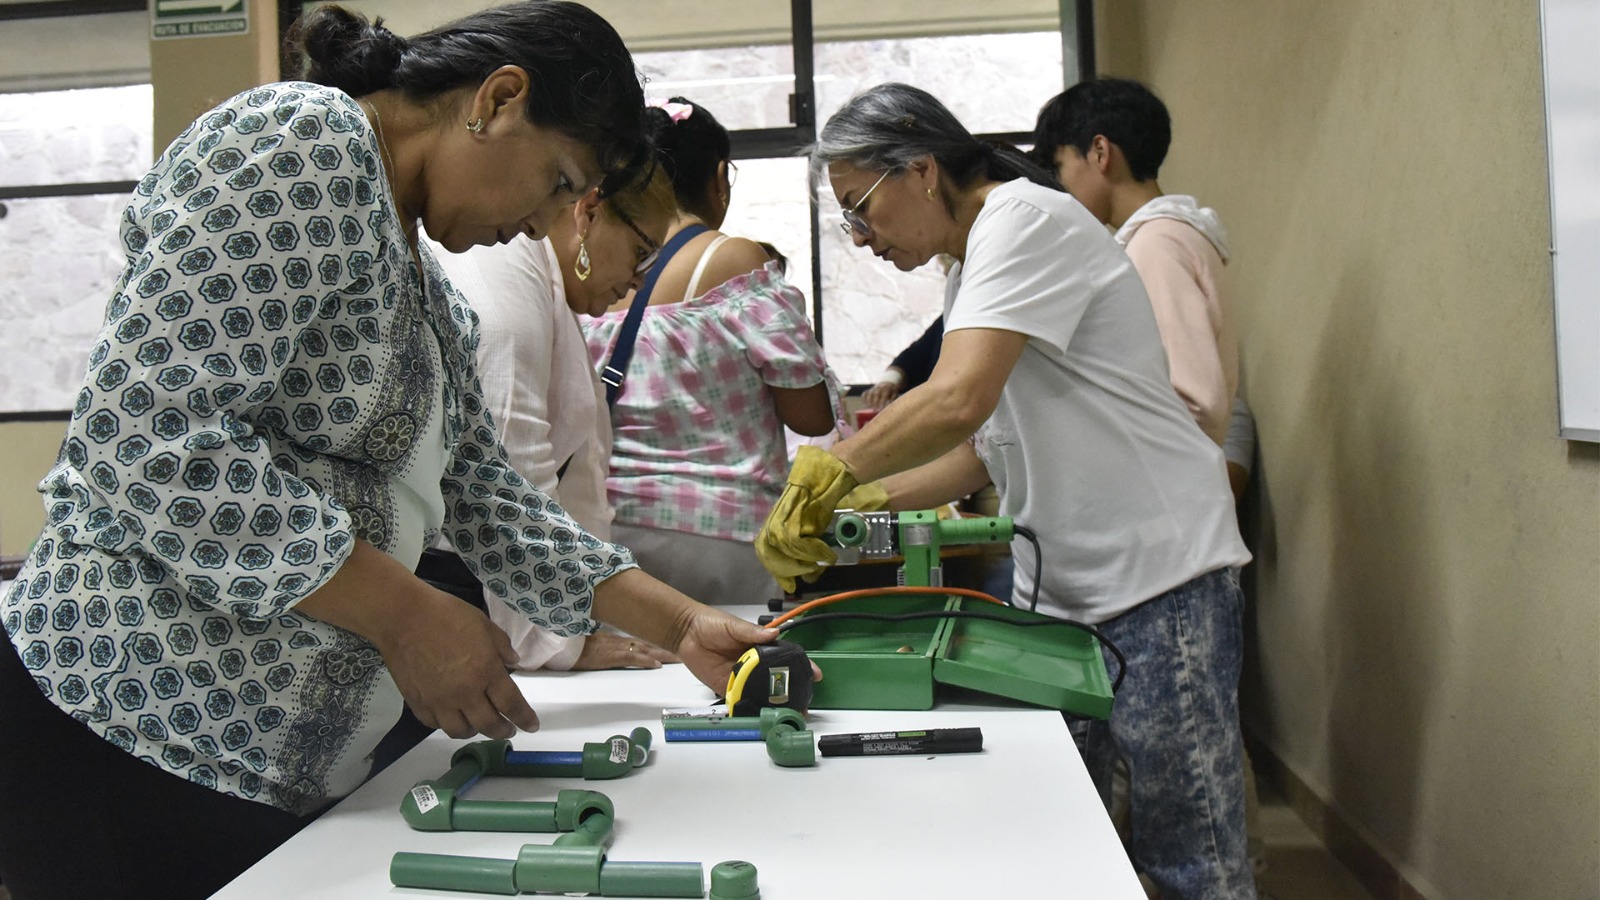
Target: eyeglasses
x=654, y=248
x=853, y=223
x=733, y=173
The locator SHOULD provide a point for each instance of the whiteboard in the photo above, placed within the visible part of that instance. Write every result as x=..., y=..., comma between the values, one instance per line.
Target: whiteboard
x=1571, y=35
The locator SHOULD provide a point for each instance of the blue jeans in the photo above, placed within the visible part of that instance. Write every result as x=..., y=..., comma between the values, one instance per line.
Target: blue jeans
x=1175, y=726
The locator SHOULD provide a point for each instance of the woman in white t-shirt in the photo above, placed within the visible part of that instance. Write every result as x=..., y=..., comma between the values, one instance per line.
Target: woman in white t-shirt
x=1052, y=383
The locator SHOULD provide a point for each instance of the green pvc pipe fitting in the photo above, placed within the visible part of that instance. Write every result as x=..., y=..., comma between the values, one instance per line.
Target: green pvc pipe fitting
x=573, y=808
x=850, y=530
x=593, y=831
x=734, y=880
x=774, y=716
x=489, y=756
x=560, y=868
x=651, y=879
x=617, y=756
x=453, y=873
x=790, y=747
x=572, y=864
x=428, y=806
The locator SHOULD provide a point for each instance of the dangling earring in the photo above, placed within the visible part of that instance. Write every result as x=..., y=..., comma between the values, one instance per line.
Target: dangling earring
x=582, y=267
x=475, y=124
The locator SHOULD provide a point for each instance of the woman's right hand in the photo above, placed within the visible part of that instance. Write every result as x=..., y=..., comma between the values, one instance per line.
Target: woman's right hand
x=450, y=663
x=447, y=658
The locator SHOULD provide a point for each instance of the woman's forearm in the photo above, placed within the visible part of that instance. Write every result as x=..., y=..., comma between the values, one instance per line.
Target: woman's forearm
x=645, y=607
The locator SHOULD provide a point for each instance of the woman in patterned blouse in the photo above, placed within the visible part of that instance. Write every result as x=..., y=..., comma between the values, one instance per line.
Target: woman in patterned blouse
x=724, y=359
x=219, y=621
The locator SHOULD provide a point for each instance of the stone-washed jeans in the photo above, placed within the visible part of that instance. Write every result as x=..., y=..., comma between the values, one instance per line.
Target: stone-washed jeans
x=1175, y=726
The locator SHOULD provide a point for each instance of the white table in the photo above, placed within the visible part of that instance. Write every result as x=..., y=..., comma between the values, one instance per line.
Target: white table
x=1020, y=819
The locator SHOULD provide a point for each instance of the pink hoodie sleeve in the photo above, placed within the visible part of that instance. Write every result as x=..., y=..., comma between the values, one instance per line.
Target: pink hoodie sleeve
x=1181, y=271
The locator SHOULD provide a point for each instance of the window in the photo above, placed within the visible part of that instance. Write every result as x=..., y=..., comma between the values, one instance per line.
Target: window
x=68, y=160
x=771, y=72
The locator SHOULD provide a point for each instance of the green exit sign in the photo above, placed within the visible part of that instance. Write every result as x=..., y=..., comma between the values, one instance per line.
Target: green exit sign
x=198, y=18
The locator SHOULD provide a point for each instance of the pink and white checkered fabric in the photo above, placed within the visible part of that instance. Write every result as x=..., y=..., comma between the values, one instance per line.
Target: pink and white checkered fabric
x=698, y=445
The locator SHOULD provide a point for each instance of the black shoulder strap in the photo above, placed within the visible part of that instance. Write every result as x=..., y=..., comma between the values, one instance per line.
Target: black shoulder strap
x=616, y=369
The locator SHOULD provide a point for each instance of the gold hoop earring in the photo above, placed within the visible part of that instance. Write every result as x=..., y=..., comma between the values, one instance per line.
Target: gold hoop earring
x=582, y=268
x=475, y=124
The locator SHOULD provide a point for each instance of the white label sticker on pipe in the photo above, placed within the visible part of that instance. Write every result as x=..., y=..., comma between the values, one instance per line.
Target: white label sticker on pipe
x=619, y=750
x=425, y=797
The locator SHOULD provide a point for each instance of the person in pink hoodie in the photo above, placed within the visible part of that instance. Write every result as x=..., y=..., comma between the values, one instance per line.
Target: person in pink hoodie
x=1105, y=140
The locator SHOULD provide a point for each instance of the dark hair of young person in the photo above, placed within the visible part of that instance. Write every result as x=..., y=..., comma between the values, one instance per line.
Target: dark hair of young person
x=1129, y=114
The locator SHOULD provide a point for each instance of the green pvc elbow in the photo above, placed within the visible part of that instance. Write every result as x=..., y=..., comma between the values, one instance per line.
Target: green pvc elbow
x=791, y=747
x=616, y=757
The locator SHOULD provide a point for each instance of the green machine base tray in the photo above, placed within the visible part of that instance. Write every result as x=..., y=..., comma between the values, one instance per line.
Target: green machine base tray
x=873, y=664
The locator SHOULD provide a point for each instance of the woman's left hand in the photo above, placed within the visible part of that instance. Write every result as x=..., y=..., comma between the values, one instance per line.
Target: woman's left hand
x=708, y=640
x=714, y=640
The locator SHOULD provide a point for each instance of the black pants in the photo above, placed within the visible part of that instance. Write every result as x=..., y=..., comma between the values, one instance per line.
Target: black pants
x=82, y=818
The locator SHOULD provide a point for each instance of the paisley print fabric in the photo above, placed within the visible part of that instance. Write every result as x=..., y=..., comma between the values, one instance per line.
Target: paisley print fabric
x=274, y=380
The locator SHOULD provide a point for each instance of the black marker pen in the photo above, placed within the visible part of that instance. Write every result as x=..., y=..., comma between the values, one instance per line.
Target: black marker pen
x=888, y=743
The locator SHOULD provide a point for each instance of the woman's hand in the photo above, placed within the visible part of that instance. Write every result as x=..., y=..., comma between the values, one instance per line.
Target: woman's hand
x=790, y=544
x=609, y=650
x=450, y=663
x=713, y=640
x=880, y=395
x=448, y=660
x=708, y=640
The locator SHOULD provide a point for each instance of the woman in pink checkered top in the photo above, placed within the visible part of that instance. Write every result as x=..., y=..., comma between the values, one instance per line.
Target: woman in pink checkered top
x=724, y=358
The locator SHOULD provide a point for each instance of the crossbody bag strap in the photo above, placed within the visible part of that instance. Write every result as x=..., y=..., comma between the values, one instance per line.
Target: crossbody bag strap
x=616, y=368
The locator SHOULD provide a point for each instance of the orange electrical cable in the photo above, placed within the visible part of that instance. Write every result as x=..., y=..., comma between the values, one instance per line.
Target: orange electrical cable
x=874, y=592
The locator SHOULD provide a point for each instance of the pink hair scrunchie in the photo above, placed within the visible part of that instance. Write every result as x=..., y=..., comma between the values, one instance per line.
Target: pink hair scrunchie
x=677, y=111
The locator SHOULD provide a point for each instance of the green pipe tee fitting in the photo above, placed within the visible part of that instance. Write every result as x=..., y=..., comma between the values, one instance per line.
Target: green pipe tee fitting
x=572, y=864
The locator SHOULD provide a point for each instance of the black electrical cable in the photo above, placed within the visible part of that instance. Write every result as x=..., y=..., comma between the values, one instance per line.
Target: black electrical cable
x=1038, y=562
x=1122, y=661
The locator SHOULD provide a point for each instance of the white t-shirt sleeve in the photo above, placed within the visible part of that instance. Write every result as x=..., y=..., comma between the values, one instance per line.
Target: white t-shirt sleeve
x=1012, y=279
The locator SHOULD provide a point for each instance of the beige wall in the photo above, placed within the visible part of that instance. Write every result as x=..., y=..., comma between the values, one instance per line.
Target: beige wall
x=27, y=451
x=191, y=75
x=1428, y=573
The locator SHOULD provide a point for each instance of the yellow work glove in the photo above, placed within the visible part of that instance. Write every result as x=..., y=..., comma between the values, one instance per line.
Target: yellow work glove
x=790, y=544
x=869, y=497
